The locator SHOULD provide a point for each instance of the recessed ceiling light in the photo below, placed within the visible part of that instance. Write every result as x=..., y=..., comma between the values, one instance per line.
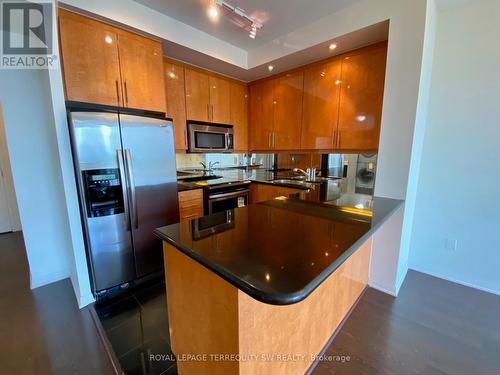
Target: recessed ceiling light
x=270, y=67
x=213, y=12
x=332, y=46
x=171, y=75
x=108, y=39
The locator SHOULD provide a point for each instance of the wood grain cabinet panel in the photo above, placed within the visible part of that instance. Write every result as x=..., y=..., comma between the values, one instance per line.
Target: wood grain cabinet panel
x=91, y=66
x=321, y=106
x=261, y=115
x=176, y=102
x=287, y=101
x=197, y=95
x=266, y=192
x=219, y=100
x=363, y=77
x=239, y=115
x=141, y=62
x=190, y=204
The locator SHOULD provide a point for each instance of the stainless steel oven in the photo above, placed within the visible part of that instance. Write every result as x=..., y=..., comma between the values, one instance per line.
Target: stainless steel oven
x=208, y=137
x=226, y=196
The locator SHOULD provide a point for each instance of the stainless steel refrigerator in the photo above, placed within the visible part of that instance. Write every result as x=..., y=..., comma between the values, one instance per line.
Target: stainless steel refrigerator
x=126, y=176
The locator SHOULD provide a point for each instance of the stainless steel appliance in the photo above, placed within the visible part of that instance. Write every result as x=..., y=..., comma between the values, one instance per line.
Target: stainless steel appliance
x=221, y=195
x=126, y=174
x=209, y=225
x=208, y=137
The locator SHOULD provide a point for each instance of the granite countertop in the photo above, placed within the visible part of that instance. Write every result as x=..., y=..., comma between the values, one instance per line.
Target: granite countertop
x=325, y=190
x=278, y=251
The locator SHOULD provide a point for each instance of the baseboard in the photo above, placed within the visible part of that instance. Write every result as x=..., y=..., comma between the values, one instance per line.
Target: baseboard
x=42, y=280
x=450, y=279
x=382, y=288
x=401, y=280
x=85, y=300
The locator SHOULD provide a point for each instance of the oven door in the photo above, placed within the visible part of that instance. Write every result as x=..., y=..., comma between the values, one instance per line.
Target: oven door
x=226, y=201
x=210, y=138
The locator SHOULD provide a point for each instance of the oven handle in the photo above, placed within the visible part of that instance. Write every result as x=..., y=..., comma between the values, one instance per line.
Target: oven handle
x=229, y=195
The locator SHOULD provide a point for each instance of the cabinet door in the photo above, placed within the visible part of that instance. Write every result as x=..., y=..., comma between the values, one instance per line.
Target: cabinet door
x=287, y=95
x=90, y=60
x=197, y=95
x=141, y=62
x=219, y=100
x=239, y=115
x=176, y=102
x=363, y=76
x=261, y=115
x=320, y=106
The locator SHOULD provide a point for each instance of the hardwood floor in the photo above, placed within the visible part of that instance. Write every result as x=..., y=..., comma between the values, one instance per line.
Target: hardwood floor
x=43, y=331
x=433, y=327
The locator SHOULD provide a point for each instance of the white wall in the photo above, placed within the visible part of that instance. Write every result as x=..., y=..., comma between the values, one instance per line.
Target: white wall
x=37, y=177
x=15, y=220
x=457, y=196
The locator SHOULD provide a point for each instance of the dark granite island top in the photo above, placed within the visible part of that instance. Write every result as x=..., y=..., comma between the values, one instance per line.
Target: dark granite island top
x=278, y=251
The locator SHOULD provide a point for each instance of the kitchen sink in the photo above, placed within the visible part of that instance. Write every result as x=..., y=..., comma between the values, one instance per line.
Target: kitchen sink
x=302, y=184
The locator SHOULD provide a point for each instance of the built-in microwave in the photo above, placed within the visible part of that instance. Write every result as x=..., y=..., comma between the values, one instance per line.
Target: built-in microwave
x=208, y=137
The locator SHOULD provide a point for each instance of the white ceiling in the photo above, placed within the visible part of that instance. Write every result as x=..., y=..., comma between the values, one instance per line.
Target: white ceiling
x=279, y=17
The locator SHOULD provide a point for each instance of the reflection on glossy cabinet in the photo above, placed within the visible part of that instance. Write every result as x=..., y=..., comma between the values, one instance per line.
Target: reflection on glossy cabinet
x=287, y=101
x=239, y=115
x=261, y=115
x=265, y=192
x=141, y=64
x=363, y=75
x=91, y=66
x=176, y=102
x=219, y=100
x=321, y=105
x=197, y=95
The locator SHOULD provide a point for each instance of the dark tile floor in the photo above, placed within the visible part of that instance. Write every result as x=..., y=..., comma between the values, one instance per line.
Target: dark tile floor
x=136, y=326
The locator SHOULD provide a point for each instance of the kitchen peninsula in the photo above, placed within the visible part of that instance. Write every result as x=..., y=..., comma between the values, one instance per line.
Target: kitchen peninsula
x=262, y=289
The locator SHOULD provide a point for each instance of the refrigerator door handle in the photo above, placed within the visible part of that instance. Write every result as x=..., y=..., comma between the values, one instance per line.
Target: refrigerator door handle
x=123, y=177
x=131, y=184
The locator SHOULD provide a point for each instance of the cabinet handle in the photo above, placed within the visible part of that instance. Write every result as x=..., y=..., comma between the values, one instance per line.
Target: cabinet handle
x=340, y=138
x=269, y=140
x=211, y=112
x=208, y=112
x=185, y=138
x=126, y=92
x=274, y=140
x=117, y=92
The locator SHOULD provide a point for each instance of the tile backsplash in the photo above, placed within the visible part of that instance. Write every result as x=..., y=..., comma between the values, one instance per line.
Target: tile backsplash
x=190, y=161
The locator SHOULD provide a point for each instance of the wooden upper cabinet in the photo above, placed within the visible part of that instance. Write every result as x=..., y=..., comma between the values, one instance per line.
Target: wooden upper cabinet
x=287, y=95
x=261, y=115
x=141, y=62
x=239, y=115
x=91, y=67
x=219, y=100
x=321, y=106
x=197, y=95
x=176, y=102
x=363, y=76
x=106, y=65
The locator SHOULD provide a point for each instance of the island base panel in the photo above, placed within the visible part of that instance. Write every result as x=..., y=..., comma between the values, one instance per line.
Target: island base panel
x=209, y=317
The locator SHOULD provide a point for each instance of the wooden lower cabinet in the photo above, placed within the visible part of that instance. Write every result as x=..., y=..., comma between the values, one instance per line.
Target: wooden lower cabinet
x=190, y=204
x=266, y=192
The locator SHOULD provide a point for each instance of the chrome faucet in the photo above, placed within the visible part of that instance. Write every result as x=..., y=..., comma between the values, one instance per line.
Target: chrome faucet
x=310, y=173
x=298, y=170
x=211, y=165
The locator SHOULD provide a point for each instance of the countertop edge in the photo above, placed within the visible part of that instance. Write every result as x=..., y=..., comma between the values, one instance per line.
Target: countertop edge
x=289, y=298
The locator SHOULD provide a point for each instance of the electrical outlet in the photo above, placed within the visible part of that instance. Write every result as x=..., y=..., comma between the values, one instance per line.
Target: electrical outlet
x=451, y=244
